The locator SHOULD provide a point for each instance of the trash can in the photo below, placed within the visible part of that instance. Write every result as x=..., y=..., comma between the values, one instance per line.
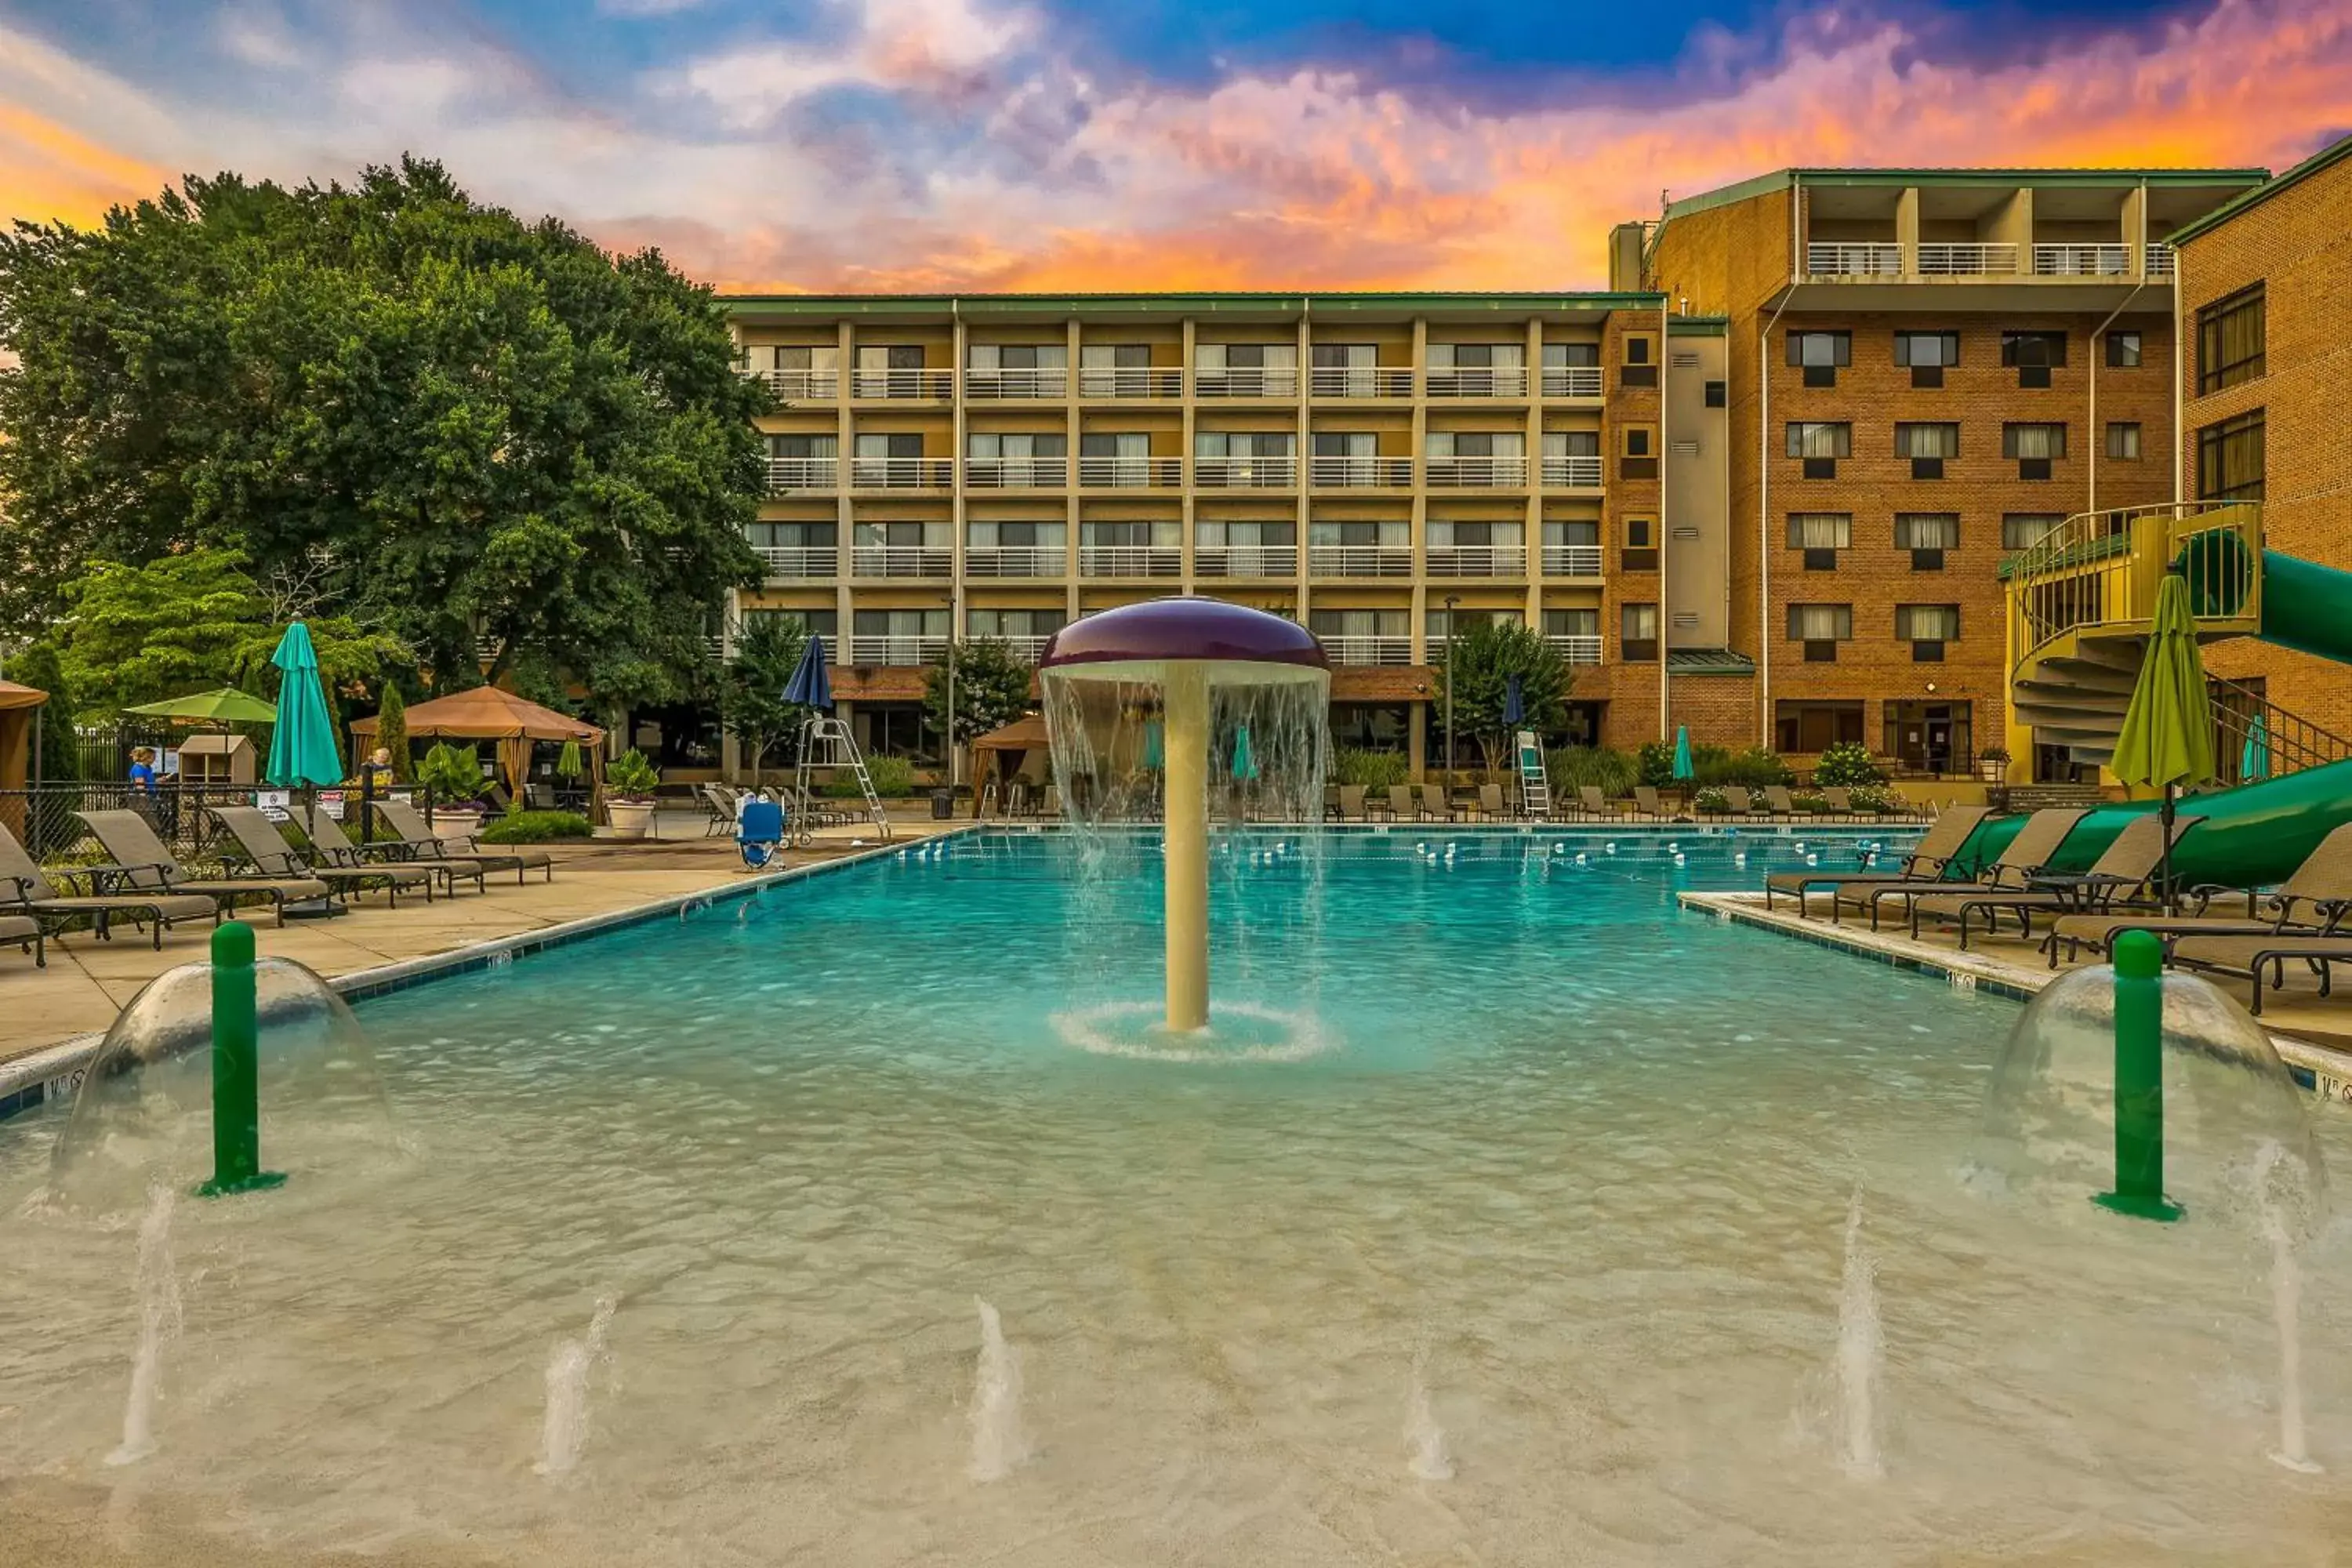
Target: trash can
x=943, y=806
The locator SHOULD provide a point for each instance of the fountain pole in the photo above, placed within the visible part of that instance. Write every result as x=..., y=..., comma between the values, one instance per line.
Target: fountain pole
x=1185, y=747
x=2138, y=958
x=236, y=1069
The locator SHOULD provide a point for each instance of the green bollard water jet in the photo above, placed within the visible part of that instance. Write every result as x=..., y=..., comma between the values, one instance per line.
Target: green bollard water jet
x=2139, y=1081
x=236, y=1069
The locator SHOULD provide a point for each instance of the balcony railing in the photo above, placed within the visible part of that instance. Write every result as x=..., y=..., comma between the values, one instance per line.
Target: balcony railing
x=1247, y=561
x=1478, y=381
x=1571, y=381
x=798, y=559
x=1572, y=473
x=1140, y=382
x=2082, y=260
x=1572, y=559
x=901, y=561
x=1369, y=650
x=1358, y=473
x=2159, y=260
x=1576, y=648
x=1016, y=473
x=1130, y=561
x=786, y=475
x=893, y=649
x=932, y=384
x=1130, y=473
x=1477, y=473
x=1246, y=473
x=1046, y=380
x=1360, y=560
x=1017, y=560
x=1026, y=648
x=1245, y=382
x=901, y=473
x=1942, y=259
x=802, y=385
x=1477, y=560
x=1848, y=260
x=1358, y=380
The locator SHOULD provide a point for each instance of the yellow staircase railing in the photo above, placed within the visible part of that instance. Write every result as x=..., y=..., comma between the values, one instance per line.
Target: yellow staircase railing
x=2096, y=574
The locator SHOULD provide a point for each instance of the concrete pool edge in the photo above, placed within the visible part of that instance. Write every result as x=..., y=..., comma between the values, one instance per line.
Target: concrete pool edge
x=2322, y=1071
x=33, y=1080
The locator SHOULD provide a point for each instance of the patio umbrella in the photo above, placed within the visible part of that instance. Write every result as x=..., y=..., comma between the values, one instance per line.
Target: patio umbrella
x=2255, y=761
x=302, y=746
x=223, y=705
x=1515, y=702
x=1244, y=761
x=1684, y=772
x=809, y=687
x=568, y=764
x=2166, y=740
x=1152, y=762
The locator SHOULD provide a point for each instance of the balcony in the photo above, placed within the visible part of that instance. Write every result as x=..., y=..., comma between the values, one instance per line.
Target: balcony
x=1478, y=381
x=1477, y=560
x=901, y=561
x=900, y=651
x=1573, y=473
x=1245, y=473
x=2082, y=260
x=1572, y=559
x=1131, y=561
x=1478, y=473
x=1017, y=560
x=1247, y=561
x=2159, y=258
x=1358, y=473
x=1360, y=561
x=1369, y=650
x=793, y=476
x=932, y=386
x=1966, y=261
x=1247, y=382
x=1130, y=473
x=901, y=473
x=1039, y=381
x=1016, y=473
x=1027, y=648
x=1571, y=381
x=1137, y=383
x=1358, y=380
x=800, y=385
x=1868, y=259
x=793, y=561
x=1576, y=648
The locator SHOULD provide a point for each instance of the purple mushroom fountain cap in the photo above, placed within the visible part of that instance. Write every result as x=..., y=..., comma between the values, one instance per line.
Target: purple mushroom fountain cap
x=1160, y=631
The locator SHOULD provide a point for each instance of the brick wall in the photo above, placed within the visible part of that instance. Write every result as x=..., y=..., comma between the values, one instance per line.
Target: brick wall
x=1719, y=708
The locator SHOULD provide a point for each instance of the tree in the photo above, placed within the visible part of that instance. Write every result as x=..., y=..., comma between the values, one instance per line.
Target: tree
x=991, y=690
x=391, y=731
x=752, y=703
x=509, y=438
x=61, y=746
x=1482, y=656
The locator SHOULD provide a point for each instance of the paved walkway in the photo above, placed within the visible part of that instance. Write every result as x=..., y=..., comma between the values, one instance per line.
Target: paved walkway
x=87, y=981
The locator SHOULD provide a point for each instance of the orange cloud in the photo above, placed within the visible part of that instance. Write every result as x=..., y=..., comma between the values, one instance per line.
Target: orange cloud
x=50, y=170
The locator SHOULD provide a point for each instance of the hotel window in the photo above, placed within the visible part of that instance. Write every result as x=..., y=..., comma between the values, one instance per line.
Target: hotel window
x=1821, y=354
x=817, y=623
x=1434, y=622
x=1477, y=370
x=896, y=636
x=1926, y=355
x=2036, y=447
x=1814, y=727
x=1245, y=369
x=802, y=448
x=1821, y=535
x=1718, y=394
x=1640, y=459
x=1821, y=628
x=1115, y=369
x=1640, y=552
x=1640, y=367
x=1927, y=627
x=2024, y=530
x=2035, y=356
x=2123, y=440
x=1572, y=357
x=2230, y=459
x=1245, y=548
x=1017, y=458
x=1012, y=622
x=1017, y=356
x=1637, y=633
x=1820, y=445
x=1927, y=447
x=2230, y=341
x=2123, y=350
x=1926, y=535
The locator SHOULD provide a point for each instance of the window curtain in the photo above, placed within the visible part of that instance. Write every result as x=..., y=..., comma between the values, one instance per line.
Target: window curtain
x=1927, y=531
x=1820, y=623
x=1819, y=531
x=1927, y=623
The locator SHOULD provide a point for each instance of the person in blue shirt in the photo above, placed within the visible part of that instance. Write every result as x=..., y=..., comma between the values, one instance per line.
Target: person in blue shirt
x=143, y=771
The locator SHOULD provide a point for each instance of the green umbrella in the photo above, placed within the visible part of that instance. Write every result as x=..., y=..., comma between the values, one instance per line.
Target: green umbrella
x=302, y=747
x=2255, y=761
x=568, y=764
x=1152, y=755
x=224, y=705
x=1683, y=769
x=1244, y=764
x=2167, y=735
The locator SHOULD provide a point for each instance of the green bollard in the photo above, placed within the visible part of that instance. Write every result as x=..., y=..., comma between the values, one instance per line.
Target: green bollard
x=237, y=1069
x=2139, y=1081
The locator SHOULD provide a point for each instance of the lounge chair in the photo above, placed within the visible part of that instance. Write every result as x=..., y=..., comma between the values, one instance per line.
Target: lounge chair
x=1926, y=863
x=424, y=844
x=2251, y=957
x=1776, y=801
x=1490, y=803
x=26, y=932
x=2124, y=871
x=143, y=863
x=2038, y=838
x=719, y=803
x=1645, y=801
x=267, y=849
x=26, y=893
x=1400, y=806
x=1435, y=807
x=2313, y=902
x=1590, y=801
x=1838, y=802
x=332, y=848
x=1737, y=802
x=1352, y=802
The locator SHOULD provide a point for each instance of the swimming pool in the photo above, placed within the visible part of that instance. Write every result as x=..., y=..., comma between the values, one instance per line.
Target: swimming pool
x=1522, y=1241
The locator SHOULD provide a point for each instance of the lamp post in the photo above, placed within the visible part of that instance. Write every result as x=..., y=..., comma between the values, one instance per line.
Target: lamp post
x=1451, y=600
x=952, y=596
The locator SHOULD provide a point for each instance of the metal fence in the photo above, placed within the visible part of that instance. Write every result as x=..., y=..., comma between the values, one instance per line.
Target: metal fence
x=43, y=817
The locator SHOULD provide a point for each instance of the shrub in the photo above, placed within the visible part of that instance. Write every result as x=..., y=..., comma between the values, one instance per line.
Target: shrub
x=1613, y=772
x=1654, y=763
x=1710, y=799
x=1877, y=797
x=1846, y=765
x=631, y=777
x=535, y=827
x=1811, y=803
x=1373, y=770
x=893, y=779
x=1754, y=768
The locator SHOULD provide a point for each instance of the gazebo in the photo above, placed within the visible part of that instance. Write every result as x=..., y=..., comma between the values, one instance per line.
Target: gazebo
x=1009, y=747
x=20, y=742
x=493, y=713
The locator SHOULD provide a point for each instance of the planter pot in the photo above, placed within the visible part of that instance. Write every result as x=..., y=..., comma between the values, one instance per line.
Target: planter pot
x=630, y=817
x=1992, y=771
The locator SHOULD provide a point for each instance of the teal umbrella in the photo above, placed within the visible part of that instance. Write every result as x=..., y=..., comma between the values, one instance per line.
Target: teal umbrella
x=2255, y=761
x=1683, y=769
x=1153, y=759
x=302, y=746
x=1244, y=764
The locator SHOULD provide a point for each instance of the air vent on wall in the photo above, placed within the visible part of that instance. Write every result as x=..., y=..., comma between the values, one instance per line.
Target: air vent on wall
x=1683, y=619
x=1686, y=360
x=1685, y=448
x=1685, y=530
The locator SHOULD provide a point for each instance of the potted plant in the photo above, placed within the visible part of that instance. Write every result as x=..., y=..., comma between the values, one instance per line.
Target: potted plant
x=1992, y=764
x=629, y=786
x=452, y=778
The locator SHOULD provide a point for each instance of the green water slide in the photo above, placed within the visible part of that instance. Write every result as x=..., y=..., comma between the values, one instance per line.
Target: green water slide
x=2257, y=833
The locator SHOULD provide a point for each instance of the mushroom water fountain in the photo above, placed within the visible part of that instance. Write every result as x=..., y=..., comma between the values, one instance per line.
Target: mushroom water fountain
x=1172, y=702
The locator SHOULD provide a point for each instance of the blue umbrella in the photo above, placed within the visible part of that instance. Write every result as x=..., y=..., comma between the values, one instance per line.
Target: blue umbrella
x=302, y=746
x=1515, y=702
x=2255, y=761
x=809, y=686
x=1683, y=768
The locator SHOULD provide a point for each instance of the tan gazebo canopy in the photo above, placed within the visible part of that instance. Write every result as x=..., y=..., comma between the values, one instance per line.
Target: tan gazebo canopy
x=493, y=713
x=19, y=715
x=1009, y=747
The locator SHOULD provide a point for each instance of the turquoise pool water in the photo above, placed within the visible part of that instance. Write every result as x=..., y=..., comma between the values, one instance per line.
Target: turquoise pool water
x=1528, y=1248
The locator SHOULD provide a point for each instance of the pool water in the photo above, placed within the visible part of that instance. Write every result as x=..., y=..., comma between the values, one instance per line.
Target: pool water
x=1507, y=1224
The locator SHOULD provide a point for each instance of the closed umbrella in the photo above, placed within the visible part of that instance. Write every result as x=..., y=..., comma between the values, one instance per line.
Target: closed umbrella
x=2255, y=761
x=1684, y=772
x=2166, y=740
x=1244, y=760
x=1515, y=702
x=223, y=705
x=302, y=746
x=568, y=762
x=1152, y=754
x=810, y=686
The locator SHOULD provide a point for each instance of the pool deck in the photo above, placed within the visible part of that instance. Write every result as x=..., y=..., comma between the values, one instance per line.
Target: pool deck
x=2312, y=1034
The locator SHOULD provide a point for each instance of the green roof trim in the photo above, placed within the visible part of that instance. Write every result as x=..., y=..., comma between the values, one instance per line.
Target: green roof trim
x=1305, y=302
x=2333, y=153
x=1708, y=661
x=1698, y=326
x=1784, y=179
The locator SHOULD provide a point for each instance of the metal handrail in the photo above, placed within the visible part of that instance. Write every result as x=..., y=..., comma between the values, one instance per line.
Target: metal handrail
x=1016, y=561
x=1477, y=560
x=2103, y=569
x=1130, y=473
x=1360, y=560
x=801, y=385
x=1574, y=473
x=892, y=649
x=1016, y=473
x=1869, y=260
x=901, y=561
x=1358, y=380
x=789, y=474
x=1371, y=651
x=1130, y=561
x=1576, y=648
x=901, y=473
x=906, y=383
x=1572, y=559
x=1247, y=381
x=1021, y=382
x=1247, y=561
x=1358, y=473
x=2291, y=741
x=1246, y=473
x=1477, y=473
x=1478, y=381
x=799, y=561
x=1940, y=258
x=1149, y=383
x=2082, y=260
x=1571, y=381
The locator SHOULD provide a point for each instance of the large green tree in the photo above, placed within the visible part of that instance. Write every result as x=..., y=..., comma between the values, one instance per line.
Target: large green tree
x=1481, y=658
x=991, y=688
x=751, y=693
x=514, y=441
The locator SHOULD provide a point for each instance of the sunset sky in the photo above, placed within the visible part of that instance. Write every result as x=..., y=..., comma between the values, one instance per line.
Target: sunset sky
x=878, y=144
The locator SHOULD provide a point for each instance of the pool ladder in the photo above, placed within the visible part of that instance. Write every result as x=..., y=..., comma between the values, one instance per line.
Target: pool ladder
x=827, y=742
